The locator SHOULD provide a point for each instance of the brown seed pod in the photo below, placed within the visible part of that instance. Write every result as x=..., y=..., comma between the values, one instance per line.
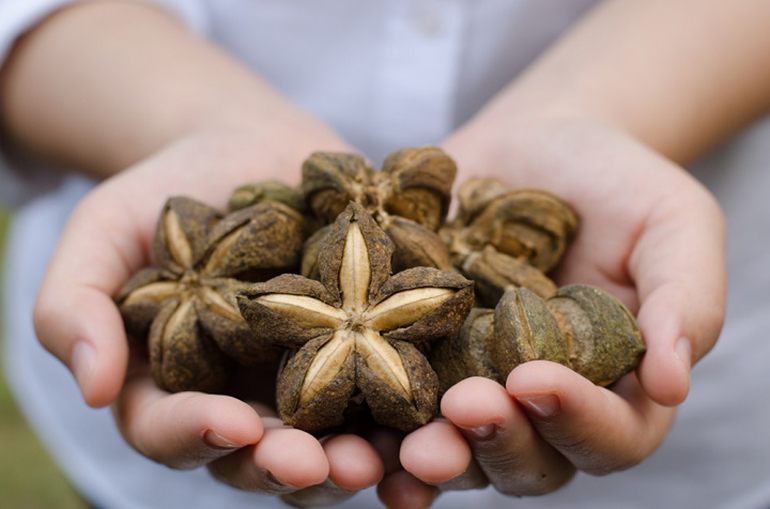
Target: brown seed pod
x=331, y=180
x=187, y=307
x=356, y=329
x=580, y=326
x=474, y=194
x=310, y=252
x=530, y=224
x=416, y=246
x=525, y=330
x=495, y=273
x=603, y=337
x=467, y=354
x=420, y=182
x=415, y=184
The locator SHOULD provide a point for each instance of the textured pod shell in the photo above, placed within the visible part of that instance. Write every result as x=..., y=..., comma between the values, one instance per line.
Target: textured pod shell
x=416, y=246
x=185, y=362
x=181, y=237
x=495, y=273
x=530, y=224
x=603, y=337
x=525, y=330
x=444, y=321
x=268, y=191
x=332, y=180
x=467, y=354
x=421, y=180
x=378, y=244
x=310, y=252
x=475, y=193
x=264, y=236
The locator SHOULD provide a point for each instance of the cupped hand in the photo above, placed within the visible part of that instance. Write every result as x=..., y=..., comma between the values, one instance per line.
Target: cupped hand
x=107, y=239
x=649, y=234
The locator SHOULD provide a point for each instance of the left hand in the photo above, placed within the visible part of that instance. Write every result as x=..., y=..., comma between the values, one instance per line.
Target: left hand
x=649, y=234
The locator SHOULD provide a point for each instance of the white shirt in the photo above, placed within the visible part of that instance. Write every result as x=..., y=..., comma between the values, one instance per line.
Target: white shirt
x=388, y=75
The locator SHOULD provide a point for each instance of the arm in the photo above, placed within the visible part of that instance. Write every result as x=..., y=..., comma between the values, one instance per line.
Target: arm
x=161, y=112
x=678, y=76
x=135, y=80
x=603, y=119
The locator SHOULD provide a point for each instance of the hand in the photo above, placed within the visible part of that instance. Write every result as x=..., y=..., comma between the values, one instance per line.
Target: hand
x=652, y=236
x=107, y=239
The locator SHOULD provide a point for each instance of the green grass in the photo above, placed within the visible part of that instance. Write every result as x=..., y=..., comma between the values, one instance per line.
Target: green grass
x=29, y=479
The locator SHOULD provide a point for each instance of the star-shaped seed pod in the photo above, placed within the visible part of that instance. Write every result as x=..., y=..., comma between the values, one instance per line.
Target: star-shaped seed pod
x=354, y=332
x=187, y=307
x=409, y=198
x=579, y=326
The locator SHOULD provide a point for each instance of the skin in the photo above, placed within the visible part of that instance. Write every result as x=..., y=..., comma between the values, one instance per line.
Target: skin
x=605, y=119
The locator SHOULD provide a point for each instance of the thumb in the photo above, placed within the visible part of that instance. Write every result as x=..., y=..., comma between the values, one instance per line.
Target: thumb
x=75, y=317
x=680, y=269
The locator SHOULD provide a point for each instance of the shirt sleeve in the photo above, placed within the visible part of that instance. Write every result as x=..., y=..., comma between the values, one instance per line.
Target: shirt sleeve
x=23, y=177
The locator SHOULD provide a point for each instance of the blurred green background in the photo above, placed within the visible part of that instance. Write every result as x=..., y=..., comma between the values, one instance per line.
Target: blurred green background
x=29, y=479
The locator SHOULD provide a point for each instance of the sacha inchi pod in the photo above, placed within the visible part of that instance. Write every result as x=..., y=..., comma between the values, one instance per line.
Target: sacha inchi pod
x=186, y=307
x=408, y=199
x=579, y=326
x=354, y=332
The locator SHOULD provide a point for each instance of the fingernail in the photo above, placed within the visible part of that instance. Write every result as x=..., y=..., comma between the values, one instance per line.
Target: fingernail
x=684, y=352
x=217, y=441
x=277, y=483
x=543, y=406
x=482, y=432
x=83, y=360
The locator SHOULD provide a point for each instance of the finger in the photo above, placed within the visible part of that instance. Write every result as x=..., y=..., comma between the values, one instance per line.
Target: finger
x=183, y=430
x=285, y=460
x=598, y=430
x=439, y=455
x=509, y=451
x=679, y=267
x=387, y=443
x=75, y=317
x=402, y=490
x=398, y=488
x=354, y=465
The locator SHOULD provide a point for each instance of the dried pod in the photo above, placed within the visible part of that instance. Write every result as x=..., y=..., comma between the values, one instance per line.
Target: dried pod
x=268, y=191
x=415, y=184
x=525, y=330
x=467, y=354
x=416, y=246
x=331, y=180
x=310, y=252
x=495, y=273
x=355, y=331
x=579, y=326
x=602, y=336
x=475, y=193
x=187, y=307
x=421, y=185
x=530, y=224
x=408, y=199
